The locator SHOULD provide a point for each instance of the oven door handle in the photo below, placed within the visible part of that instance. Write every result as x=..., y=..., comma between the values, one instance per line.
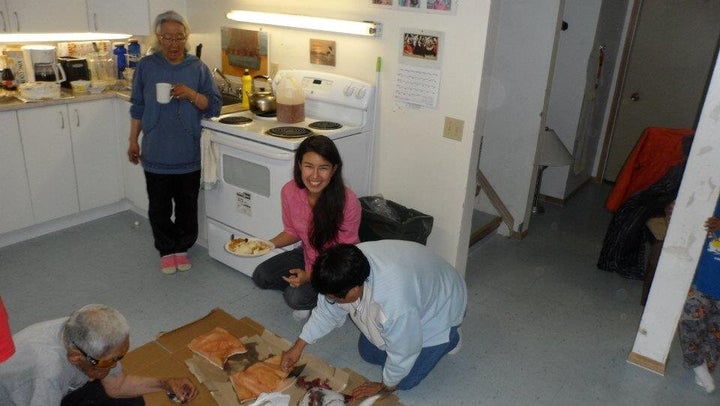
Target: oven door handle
x=254, y=148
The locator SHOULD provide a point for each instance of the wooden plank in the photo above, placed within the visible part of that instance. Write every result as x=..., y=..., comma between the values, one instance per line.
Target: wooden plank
x=647, y=363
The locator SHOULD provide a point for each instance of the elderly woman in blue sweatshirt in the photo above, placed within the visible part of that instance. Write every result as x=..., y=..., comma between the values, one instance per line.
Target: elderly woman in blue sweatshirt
x=170, y=151
x=407, y=302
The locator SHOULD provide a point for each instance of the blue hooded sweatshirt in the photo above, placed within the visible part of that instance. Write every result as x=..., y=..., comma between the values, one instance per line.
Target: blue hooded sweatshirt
x=171, y=132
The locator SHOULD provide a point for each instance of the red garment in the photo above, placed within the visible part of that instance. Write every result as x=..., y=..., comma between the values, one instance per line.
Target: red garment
x=7, y=347
x=656, y=151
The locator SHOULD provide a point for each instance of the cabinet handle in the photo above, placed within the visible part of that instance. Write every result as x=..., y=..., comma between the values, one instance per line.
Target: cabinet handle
x=2, y=15
x=77, y=116
x=62, y=120
x=95, y=21
x=17, y=20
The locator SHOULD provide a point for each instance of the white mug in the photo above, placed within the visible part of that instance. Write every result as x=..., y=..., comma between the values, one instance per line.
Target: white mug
x=163, y=92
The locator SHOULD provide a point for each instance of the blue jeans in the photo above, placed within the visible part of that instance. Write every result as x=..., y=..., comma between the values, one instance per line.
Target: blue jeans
x=425, y=362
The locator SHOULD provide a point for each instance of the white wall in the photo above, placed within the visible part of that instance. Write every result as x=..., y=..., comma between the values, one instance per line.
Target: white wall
x=694, y=204
x=575, y=49
x=524, y=32
x=414, y=165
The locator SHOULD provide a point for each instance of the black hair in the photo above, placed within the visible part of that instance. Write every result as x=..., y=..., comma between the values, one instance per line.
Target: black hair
x=339, y=269
x=328, y=210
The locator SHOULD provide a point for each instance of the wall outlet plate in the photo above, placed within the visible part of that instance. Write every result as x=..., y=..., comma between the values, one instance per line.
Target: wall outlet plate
x=453, y=128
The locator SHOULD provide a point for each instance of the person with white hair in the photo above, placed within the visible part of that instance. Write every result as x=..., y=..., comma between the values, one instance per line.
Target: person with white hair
x=75, y=360
x=170, y=147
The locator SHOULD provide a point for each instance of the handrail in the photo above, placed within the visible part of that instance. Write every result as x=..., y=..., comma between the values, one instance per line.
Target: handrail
x=495, y=200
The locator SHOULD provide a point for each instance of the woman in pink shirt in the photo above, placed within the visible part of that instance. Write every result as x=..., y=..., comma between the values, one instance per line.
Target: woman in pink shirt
x=319, y=211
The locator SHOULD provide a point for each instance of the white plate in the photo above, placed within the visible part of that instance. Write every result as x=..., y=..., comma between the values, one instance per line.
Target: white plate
x=271, y=247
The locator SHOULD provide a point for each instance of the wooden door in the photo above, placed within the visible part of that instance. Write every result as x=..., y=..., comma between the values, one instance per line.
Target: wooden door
x=667, y=72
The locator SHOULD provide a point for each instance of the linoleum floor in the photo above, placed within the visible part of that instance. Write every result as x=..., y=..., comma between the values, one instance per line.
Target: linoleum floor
x=544, y=326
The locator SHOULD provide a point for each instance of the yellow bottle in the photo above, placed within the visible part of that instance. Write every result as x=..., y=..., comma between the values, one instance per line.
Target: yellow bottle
x=246, y=89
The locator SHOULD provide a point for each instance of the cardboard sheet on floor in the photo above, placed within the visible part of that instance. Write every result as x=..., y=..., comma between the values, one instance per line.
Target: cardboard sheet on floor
x=169, y=356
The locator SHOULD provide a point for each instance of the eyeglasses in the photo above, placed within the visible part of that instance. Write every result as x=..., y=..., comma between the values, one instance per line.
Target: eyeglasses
x=331, y=301
x=170, y=39
x=105, y=363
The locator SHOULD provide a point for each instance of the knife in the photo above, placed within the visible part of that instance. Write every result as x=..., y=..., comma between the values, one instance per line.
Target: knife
x=296, y=371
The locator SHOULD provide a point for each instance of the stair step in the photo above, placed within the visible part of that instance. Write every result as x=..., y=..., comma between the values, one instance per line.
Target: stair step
x=482, y=225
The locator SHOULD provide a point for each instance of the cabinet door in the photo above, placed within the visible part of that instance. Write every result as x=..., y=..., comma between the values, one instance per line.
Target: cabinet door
x=47, y=16
x=15, y=206
x=132, y=175
x=4, y=17
x=128, y=16
x=97, y=167
x=45, y=134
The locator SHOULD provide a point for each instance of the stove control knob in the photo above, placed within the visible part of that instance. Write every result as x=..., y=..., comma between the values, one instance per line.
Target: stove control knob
x=349, y=90
x=361, y=92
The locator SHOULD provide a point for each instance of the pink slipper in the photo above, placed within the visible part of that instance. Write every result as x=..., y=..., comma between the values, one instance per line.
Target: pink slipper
x=182, y=262
x=168, y=265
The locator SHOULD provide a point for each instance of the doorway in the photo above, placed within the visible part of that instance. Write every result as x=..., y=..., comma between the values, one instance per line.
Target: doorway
x=668, y=59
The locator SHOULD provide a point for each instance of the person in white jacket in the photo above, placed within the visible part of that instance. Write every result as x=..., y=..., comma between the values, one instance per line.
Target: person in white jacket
x=407, y=302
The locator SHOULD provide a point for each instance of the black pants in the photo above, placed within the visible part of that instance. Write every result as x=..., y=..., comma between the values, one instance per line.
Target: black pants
x=268, y=275
x=93, y=393
x=164, y=190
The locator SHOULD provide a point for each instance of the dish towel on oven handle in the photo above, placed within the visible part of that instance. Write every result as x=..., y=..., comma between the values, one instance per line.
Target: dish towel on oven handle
x=209, y=161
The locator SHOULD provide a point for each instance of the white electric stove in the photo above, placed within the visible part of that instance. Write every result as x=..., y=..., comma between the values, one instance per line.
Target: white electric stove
x=255, y=161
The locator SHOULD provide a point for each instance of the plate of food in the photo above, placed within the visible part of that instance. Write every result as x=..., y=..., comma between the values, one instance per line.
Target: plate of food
x=249, y=247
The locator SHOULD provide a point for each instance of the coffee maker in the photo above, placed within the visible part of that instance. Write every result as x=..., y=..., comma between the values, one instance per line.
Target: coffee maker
x=41, y=64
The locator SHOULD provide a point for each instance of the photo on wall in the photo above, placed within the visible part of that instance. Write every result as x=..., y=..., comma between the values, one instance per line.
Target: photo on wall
x=244, y=49
x=427, y=6
x=322, y=52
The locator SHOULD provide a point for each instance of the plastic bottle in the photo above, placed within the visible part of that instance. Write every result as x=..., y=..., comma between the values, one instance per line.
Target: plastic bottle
x=246, y=80
x=8, y=78
x=120, y=58
x=133, y=52
x=290, y=100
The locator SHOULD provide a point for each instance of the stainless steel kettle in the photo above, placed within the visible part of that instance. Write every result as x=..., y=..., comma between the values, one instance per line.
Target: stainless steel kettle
x=261, y=100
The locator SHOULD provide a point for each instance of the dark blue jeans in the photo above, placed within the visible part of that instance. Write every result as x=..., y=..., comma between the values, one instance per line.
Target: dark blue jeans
x=425, y=362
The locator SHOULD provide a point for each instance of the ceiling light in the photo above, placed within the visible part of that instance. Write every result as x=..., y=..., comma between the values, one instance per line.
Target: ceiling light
x=368, y=28
x=58, y=37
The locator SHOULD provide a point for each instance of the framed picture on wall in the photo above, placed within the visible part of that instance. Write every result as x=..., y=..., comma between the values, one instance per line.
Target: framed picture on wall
x=244, y=49
x=383, y=3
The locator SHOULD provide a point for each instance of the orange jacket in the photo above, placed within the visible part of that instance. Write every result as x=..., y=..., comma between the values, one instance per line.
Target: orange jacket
x=656, y=151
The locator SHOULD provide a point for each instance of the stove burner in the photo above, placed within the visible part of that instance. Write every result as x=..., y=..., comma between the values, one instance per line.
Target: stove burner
x=266, y=115
x=235, y=120
x=289, y=132
x=325, y=125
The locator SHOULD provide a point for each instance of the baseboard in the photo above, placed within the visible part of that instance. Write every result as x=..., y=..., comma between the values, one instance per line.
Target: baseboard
x=51, y=226
x=647, y=363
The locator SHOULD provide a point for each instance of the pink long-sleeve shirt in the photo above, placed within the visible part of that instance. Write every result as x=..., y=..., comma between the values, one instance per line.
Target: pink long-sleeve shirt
x=297, y=219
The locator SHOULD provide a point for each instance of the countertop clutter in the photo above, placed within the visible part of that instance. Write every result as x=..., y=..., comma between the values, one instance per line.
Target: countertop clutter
x=9, y=101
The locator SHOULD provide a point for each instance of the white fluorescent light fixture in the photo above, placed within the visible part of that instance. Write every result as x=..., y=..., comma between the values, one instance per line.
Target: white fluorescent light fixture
x=367, y=28
x=63, y=36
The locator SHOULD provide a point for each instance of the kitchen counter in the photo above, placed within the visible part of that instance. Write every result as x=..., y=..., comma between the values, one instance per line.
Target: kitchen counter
x=66, y=97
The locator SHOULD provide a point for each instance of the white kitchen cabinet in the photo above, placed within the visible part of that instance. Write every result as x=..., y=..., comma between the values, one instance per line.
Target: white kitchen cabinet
x=15, y=207
x=45, y=134
x=132, y=175
x=97, y=165
x=128, y=16
x=47, y=16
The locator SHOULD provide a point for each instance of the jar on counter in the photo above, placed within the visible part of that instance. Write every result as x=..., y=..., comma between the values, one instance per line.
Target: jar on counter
x=120, y=56
x=133, y=52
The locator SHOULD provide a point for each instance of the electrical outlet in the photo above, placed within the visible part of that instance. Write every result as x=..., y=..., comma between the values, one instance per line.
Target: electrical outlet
x=274, y=67
x=453, y=128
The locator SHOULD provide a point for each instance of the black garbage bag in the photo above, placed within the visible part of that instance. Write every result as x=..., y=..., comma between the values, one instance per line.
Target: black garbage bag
x=386, y=220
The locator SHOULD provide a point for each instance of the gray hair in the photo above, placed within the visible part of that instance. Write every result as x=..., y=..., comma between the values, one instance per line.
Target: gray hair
x=95, y=329
x=170, y=15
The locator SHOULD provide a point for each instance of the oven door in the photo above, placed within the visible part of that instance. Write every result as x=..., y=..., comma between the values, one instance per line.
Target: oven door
x=251, y=175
